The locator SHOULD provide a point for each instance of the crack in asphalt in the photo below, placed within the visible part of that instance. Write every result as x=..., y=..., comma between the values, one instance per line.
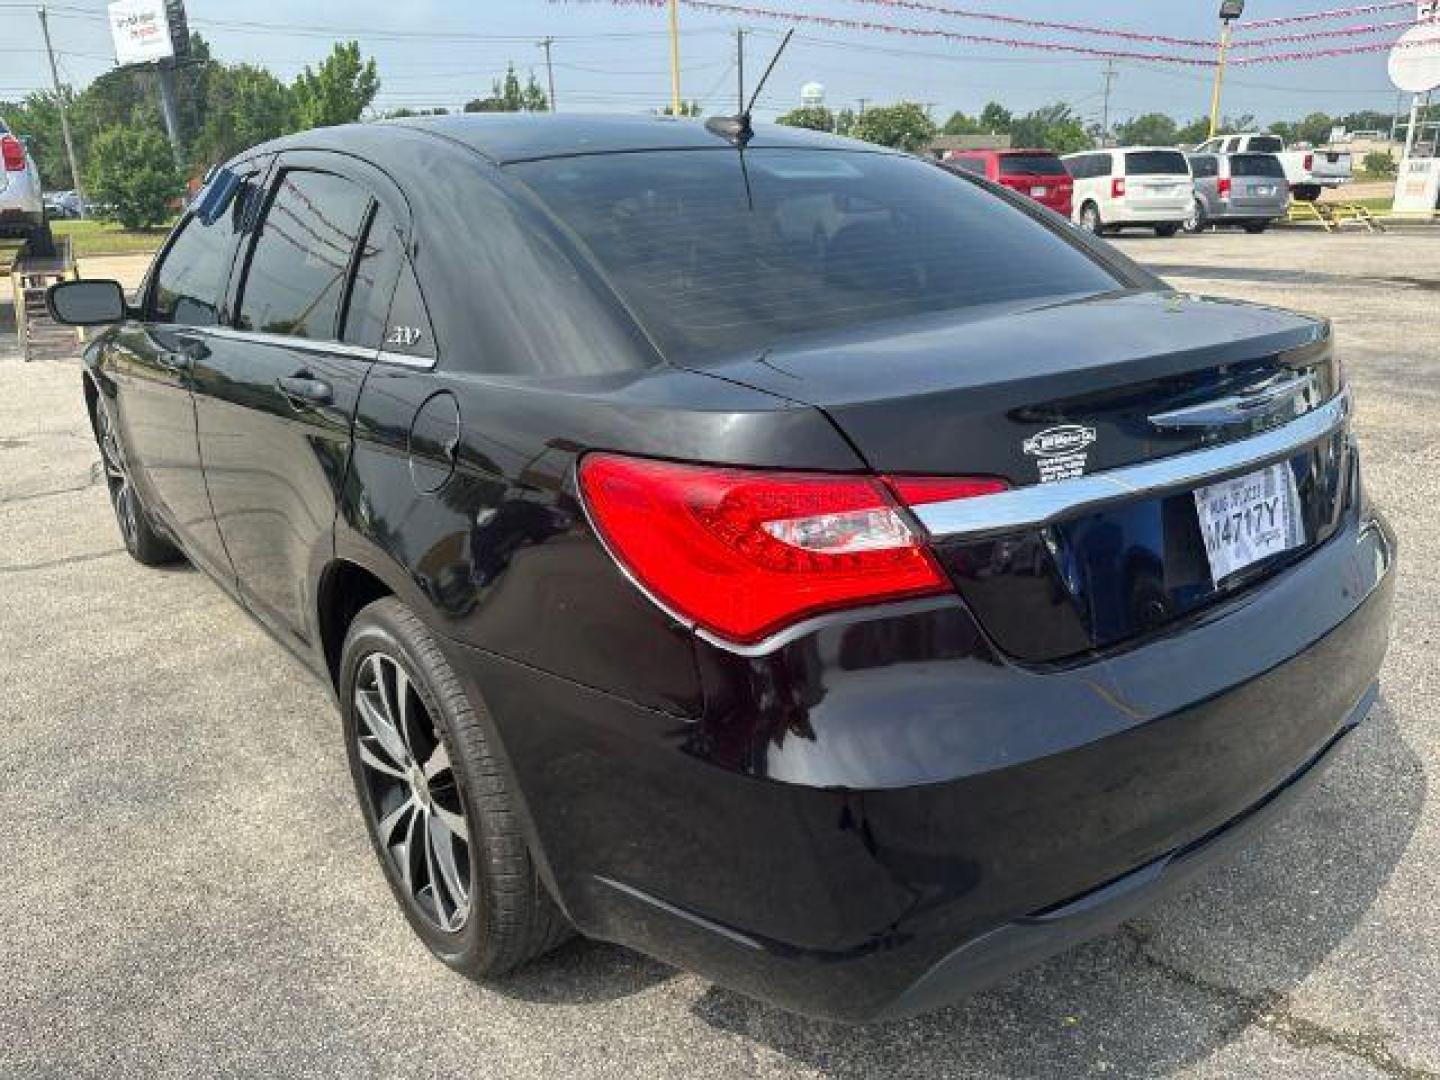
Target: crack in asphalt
x=1271, y=1012
x=66, y=560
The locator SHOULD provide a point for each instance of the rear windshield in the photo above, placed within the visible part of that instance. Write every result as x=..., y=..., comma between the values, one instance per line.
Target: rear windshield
x=1031, y=165
x=718, y=252
x=1156, y=163
x=1256, y=165
x=1266, y=144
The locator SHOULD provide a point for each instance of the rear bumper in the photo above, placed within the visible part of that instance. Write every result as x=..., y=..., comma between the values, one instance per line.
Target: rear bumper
x=1251, y=210
x=883, y=813
x=1157, y=213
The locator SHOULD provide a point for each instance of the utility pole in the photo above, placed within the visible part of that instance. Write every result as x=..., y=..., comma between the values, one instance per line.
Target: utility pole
x=1230, y=10
x=549, y=69
x=1110, y=75
x=739, y=70
x=674, y=57
x=166, y=71
x=64, y=117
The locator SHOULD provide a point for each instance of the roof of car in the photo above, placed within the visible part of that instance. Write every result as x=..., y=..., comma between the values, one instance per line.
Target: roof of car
x=507, y=137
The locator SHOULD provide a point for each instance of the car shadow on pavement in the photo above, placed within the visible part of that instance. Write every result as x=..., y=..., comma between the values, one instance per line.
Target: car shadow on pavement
x=1173, y=986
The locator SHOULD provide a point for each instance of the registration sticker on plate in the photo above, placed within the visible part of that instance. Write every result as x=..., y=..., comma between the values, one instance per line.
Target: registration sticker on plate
x=1039, y=192
x=1249, y=518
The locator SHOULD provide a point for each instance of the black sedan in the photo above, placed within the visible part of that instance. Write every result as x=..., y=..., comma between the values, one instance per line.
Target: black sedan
x=775, y=553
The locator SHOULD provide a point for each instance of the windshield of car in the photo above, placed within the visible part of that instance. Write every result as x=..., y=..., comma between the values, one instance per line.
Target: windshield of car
x=1256, y=165
x=1156, y=163
x=1031, y=165
x=715, y=250
x=1266, y=144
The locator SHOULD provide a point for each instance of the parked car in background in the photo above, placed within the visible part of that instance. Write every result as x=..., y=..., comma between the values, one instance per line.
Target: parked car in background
x=1037, y=174
x=22, y=206
x=1308, y=172
x=851, y=622
x=1139, y=185
x=1248, y=190
x=63, y=204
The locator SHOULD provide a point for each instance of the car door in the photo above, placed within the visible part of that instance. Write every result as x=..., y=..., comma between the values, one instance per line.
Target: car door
x=276, y=400
x=152, y=361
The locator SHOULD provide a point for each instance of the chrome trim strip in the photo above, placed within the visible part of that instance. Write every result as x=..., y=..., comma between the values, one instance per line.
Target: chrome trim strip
x=419, y=363
x=331, y=348
x=1262, y=400
x=1042, y=504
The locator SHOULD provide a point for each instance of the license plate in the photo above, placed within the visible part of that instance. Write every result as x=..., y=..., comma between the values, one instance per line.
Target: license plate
x=1262, y=189
x=1039, y=192
x=1249, y=518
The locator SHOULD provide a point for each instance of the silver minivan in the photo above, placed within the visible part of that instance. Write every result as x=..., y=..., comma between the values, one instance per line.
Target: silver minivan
x=1249, y=190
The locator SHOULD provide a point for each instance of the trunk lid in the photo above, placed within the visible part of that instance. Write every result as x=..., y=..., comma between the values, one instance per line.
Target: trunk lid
x=963, y=393
x=1051, y=392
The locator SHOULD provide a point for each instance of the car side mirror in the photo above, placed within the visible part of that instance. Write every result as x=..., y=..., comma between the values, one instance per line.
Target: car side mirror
x=87, y=303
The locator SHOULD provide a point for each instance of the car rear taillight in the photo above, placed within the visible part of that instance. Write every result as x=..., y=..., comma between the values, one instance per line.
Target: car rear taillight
x=1224, y=186
x=1309, y=162
x=12, y=150
x=1117, y=188
x=743, y=553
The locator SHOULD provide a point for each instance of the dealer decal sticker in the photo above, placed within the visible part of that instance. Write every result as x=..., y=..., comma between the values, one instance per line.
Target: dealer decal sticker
x=1060, y=453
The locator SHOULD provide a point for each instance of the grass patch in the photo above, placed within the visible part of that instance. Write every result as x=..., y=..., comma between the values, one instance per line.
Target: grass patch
x=106, y=238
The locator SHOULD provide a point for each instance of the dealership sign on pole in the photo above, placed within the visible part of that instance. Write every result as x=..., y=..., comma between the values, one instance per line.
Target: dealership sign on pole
x=141, y=29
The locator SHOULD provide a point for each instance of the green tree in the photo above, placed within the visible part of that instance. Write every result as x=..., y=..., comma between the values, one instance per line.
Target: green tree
x=845, y=122
x=508, y=95
x=1381, y=164
x=244, y=105
x=814, y=117
x=995, y=118
x=960, y=124
x=904, y=126
x=1193, y=133
x=1150, y=129
x=133, y=173
x=338, y=91
x=1054, y=127
x=1314, y=129
x=687, y=108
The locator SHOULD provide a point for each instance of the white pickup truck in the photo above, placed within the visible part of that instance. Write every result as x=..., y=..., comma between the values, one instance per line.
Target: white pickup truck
x=1308, y=171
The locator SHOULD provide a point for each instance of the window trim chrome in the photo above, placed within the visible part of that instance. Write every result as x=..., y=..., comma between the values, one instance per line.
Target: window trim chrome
x=329, y=348
x=1039, y=505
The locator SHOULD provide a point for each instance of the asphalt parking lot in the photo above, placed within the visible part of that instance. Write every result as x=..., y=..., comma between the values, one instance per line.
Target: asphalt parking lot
x=186, y=887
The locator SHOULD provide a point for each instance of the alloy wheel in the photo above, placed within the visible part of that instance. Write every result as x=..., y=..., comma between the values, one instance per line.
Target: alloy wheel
x=117, y=478
x=414, y=797
x=1090, y=218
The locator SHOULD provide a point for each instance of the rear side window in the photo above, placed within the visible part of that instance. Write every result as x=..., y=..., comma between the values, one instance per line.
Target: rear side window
x=968, y=164
x=1266, y=144
x=190, y=280
x=1205, y=166
x=1256, y=165
x=295, y=282
x=715, y=252
x=1031, y=165
x=376, y=266
x=1156, y=163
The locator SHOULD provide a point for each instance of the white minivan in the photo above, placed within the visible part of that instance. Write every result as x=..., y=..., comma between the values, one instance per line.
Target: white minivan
x=1135, y=185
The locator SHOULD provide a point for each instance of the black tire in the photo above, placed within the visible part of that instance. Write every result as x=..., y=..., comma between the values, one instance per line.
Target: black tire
x=41, y=242
x=1254, y=228
x=1196, y=222
x=1167, y=230
x=1090, y=219
x=145, y=544
x=509, y=917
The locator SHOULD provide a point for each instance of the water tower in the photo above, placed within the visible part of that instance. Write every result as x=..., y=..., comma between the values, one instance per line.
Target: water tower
x=812, y=96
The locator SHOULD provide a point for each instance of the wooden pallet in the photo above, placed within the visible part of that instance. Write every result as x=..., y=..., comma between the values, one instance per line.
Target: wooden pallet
x=1334, y=216
x=41, y=338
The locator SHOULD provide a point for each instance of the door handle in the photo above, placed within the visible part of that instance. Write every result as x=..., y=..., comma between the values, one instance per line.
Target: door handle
x=304, y=389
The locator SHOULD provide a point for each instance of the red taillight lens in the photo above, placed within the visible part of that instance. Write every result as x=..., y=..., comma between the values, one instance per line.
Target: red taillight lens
x=1309, y=162
x=1224, y=186
x=745, y=553
x=1117, y=187
x=12, y=150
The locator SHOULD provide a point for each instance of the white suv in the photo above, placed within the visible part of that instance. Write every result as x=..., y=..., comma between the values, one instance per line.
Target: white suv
x=22, y=205
x=1136, y=185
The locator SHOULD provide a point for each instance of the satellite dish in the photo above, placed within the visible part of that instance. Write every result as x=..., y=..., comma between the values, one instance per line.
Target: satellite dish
x=1415, y=59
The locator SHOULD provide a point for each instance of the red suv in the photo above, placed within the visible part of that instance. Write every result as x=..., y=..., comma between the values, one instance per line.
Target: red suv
x=1039, y=174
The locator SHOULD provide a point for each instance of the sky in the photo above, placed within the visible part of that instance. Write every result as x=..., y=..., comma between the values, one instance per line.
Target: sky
x=610, y=57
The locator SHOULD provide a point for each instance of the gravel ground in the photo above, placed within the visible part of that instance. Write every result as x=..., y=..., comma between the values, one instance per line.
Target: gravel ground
x=186, y=887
